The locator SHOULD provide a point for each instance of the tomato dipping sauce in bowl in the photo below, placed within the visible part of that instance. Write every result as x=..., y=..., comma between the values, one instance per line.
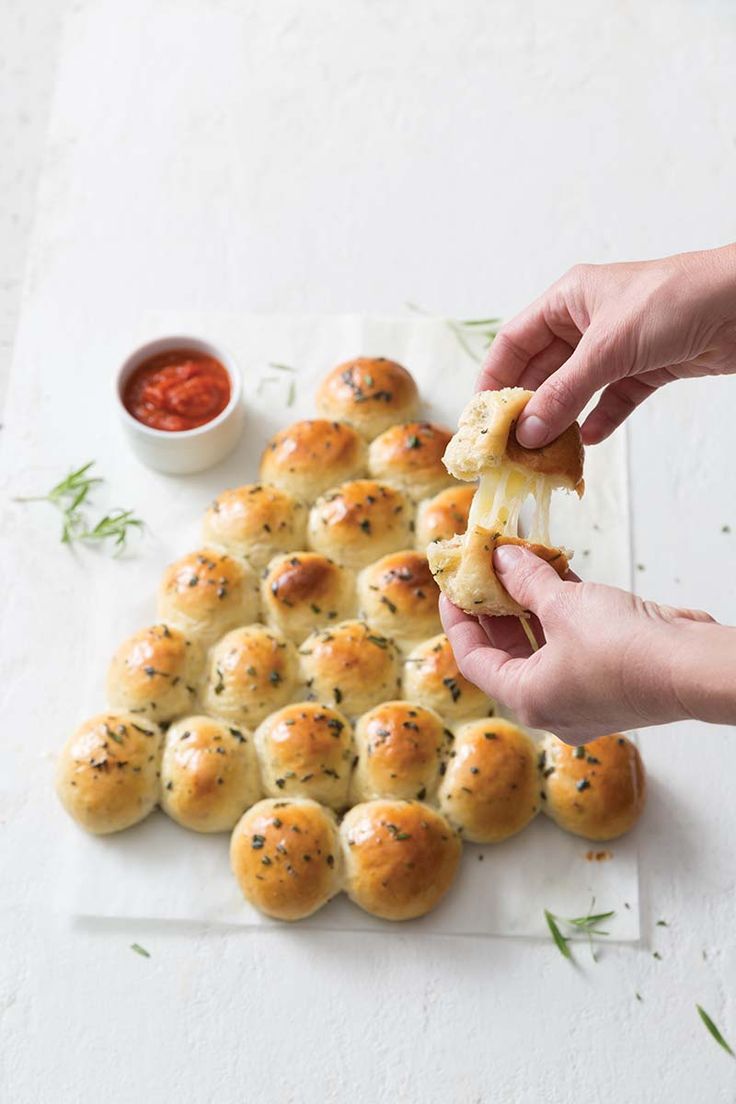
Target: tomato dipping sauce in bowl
x=180, y=402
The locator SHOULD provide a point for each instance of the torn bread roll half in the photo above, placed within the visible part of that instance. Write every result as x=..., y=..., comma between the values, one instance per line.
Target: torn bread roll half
x=485, y=448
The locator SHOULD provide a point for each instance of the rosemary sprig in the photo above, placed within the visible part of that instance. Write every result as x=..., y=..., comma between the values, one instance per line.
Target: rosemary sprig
x=140, y=950
x=711, y=1027
x=113, y=526
x=281, y=367
x=587, y=924
x=473, y=335
x=562, y=943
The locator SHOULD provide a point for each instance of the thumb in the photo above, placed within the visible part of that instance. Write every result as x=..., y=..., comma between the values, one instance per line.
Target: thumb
x=532, y=582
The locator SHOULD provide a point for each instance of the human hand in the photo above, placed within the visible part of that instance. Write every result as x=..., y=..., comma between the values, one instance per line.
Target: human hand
x=625, y=329
x=608, y=660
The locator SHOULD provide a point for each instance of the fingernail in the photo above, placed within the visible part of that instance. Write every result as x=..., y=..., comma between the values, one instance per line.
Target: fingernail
x=532, y=432
x=505, y=557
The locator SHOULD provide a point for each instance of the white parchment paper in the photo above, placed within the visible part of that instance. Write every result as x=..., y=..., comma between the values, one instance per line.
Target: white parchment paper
x=159, y=870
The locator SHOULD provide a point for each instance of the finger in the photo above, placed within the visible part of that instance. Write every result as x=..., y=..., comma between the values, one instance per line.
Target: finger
x=532, y=582
x=618, y=400
x=490, y=669
x=508, y=634
x=541, y=366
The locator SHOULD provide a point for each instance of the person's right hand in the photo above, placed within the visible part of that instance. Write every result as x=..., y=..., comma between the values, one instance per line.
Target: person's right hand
x=625, y=329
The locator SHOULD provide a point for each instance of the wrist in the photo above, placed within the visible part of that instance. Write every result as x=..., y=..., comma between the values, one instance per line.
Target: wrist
x=703, y=671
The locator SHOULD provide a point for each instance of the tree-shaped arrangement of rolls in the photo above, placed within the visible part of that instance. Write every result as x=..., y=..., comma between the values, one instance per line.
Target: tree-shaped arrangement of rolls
x=296, y=690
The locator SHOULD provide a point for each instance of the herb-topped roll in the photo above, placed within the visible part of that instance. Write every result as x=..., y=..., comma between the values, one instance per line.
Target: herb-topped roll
x=206, y=593
x=305, y=591
x=250, y=672
x=596, y=790
x=350, y=666
x=155, y=672
x=441, y=517
x=370, y=393
x=209, y=774
x=491, y=789
x=401, y=749
x=432, y=678
x=286, y=857
x=256, y=521
x=306, y=750
x=401, y=857
x=409, y=456
x=357, y=522
x=107, y=777
x=399, y=598
x=309, y=457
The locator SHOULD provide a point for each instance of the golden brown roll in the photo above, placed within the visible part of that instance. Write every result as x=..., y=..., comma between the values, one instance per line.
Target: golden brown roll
x=350, y=666
x=155, y=672
x=308, y=457
x=286, y=857
x=597, y=790
x=256, y=521
x=491, y=788
x=206, y=593
x=400, y=748
x=401, y=857
x=209, y=774
x=305, y=591
x=432, y=678
x=360, y=521
x=306, y=750
x=441, y=517
x=250, y=672
x=409, y=456
x=398, y=597
x=107, y=777
x=370, y=393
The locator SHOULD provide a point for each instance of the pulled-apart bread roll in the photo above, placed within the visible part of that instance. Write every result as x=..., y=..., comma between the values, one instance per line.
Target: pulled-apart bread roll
x=350, y=666
x=356, y=523
x=401, y=857
x=597, y=790
x=409, y=456
x=443, y=516
x=305, y=591
x=107, y=777
x=309, y=457
x=209, y=774
x=490, y=790
x=398, y=597
x=256, y=521
x=400, y=749
x=206, y=593
x=286, y=857
x=485, y=446
x=369, y=393
x=155, y=672
x=306, y=750
x=432, y=678
x=250, y=672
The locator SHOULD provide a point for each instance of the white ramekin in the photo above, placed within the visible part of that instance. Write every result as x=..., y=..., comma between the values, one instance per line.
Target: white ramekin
x=189, y=450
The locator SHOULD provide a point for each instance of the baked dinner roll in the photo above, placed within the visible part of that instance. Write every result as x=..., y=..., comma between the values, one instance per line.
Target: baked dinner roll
x=350, y=666
x=250, y=672
x=400, y=749
x=432, y=678
x=209, y=774
x=306, y=750
x=401, y=857
x=256, y=521
x=398, y=597
x=286, y=857
x=491, y=788
x=485, y=446
x=356, y=523
x=443, y=516
x=206, y=593
x=107, y=777
x=305, y=591
x=155, y=672
x=597, y=790
x=370, y=393
x=308, y=457
x=409, y=456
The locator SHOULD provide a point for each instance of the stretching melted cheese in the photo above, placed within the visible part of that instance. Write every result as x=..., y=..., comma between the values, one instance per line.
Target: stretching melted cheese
x=500, y=496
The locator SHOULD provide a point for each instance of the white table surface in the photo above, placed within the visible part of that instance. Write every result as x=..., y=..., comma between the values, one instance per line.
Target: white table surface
x=351, y=156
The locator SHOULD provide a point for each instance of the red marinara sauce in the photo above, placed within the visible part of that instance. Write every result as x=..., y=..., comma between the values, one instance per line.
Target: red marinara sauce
x=177, y=390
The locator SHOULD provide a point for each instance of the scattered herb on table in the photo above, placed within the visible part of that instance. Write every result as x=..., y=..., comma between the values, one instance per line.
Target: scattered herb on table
x=473, y=335
x=140, y=950
x=711, y=1027
x=589, y=924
